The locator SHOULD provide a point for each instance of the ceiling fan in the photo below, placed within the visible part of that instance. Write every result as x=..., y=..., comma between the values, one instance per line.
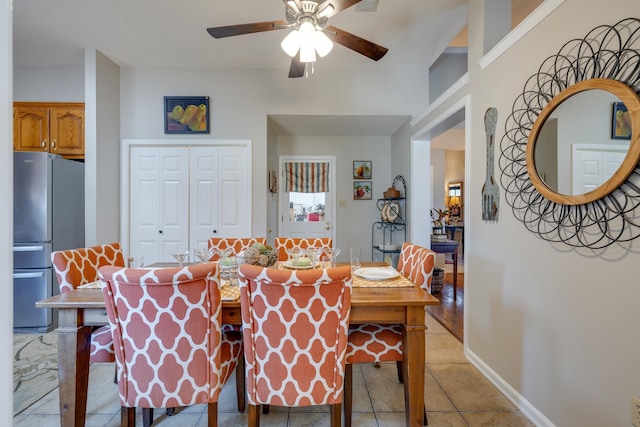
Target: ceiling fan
x=308, y=19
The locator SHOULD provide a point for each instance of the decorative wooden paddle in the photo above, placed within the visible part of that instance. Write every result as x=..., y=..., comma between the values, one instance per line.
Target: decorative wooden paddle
x=490, y=190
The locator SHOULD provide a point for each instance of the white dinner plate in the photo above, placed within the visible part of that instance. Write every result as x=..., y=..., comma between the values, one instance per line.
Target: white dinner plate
x=377, y=273
x=290, y=264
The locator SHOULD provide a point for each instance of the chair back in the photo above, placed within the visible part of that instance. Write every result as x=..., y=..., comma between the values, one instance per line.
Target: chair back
x=295, y=334
x=75, y=267
x=238, y=244
x=166, y=326
x=416, y=263
x=284, y=243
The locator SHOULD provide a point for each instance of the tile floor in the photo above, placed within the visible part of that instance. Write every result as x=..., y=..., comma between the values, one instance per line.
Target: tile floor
x=457, y=395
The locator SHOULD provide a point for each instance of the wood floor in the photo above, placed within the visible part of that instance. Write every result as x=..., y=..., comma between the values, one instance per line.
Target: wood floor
x=450, y=313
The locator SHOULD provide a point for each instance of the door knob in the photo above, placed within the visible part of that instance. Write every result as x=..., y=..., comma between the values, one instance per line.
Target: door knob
x=215, y=231
x=160, y=231
x=327, y=225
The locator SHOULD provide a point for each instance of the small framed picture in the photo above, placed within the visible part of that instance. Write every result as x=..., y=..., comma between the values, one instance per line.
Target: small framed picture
x=362, y=190
x=361, y=169
x=620, y=122
x=186, y=114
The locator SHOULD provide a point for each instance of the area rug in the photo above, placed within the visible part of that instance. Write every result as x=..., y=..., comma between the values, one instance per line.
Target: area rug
x=35, y=368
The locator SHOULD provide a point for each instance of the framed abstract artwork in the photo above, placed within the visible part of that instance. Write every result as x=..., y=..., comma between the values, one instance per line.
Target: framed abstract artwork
x=620, y=122
x=362, y=190
x=186, y=114
x=361, y=169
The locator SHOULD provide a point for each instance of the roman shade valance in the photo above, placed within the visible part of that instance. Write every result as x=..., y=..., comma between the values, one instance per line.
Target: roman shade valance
x=307, y=177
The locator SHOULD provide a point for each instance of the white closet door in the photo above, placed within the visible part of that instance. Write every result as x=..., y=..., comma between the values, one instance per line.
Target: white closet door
x=204, y=185
x=159, y=191
x=234, y=211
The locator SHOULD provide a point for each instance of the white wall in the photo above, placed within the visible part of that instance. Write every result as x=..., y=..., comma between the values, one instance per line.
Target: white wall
x=103, y=197
x=48, y=84
x=554, y=327
x=6, y=210
x=242, y=99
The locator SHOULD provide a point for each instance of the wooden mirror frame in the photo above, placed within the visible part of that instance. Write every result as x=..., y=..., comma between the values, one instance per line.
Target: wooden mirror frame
x=607, y=58
x=630, y=100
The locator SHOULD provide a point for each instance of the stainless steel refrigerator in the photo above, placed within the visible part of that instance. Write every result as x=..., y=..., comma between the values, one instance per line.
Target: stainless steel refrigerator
x=48, y=215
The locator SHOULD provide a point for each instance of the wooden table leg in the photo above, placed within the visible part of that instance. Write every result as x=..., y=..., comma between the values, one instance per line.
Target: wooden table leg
x=413, y=366
x=74, y=347
x=455, y=273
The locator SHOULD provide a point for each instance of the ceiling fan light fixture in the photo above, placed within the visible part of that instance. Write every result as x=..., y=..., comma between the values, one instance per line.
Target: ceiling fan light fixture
x=322, y=43
x=328, y=10
x=291, y=43
x=307, y=53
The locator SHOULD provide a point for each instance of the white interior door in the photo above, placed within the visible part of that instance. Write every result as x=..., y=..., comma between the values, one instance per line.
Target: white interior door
x=203, y=212
x=159, y=202
x=234, y=206
x=219, y=187
x=307, y=214
x=594, y=164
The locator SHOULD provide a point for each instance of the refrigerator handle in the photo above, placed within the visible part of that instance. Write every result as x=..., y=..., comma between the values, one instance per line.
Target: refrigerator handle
x=31, y=275
x=37, y=248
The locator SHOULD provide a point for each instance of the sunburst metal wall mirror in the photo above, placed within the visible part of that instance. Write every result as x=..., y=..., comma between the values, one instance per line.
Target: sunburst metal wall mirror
x=555, y=200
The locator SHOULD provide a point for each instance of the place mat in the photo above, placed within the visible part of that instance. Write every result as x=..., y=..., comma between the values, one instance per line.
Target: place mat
x=398, y=282
x=230, y=293
x=359, y=282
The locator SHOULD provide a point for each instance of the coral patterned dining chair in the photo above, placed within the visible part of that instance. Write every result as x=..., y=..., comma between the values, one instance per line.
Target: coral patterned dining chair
x=238, y=244
x=284, y=243
x=295, y=332
x=169, y=344
x=373, y=343
x=76, y=267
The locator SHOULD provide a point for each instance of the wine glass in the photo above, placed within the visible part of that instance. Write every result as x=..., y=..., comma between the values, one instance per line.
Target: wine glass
x=181, y=256
x=355, y=259
x=225, y=262
x=204, y=255
x=330, y=255
x=295, y=254
x=314, y=254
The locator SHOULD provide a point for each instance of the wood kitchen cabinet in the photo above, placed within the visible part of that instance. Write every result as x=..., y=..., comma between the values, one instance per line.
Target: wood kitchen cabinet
x=54, y=127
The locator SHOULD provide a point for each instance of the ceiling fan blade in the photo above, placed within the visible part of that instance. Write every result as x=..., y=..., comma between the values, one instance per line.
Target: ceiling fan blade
x=237, y=30
x=338, y=6
x=355, y=43
x=297, y=67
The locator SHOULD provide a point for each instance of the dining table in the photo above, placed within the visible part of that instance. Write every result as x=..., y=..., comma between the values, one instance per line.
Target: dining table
x=374, y=300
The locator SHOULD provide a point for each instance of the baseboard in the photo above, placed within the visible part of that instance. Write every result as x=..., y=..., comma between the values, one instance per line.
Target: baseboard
x=527, y=409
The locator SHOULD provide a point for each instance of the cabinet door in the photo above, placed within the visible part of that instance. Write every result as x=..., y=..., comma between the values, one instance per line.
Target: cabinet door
x=30, y=128
x=159, y=202
x=66, y=131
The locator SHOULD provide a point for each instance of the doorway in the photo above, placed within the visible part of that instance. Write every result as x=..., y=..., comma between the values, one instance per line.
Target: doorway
x=307, y=196
x=448, y=132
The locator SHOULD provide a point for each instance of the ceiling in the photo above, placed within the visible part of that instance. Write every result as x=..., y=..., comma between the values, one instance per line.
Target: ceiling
x=159, y=33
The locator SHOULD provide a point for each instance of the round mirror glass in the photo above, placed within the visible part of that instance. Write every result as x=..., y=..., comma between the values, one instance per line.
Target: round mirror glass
x=583, y=142
x=583, y=145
